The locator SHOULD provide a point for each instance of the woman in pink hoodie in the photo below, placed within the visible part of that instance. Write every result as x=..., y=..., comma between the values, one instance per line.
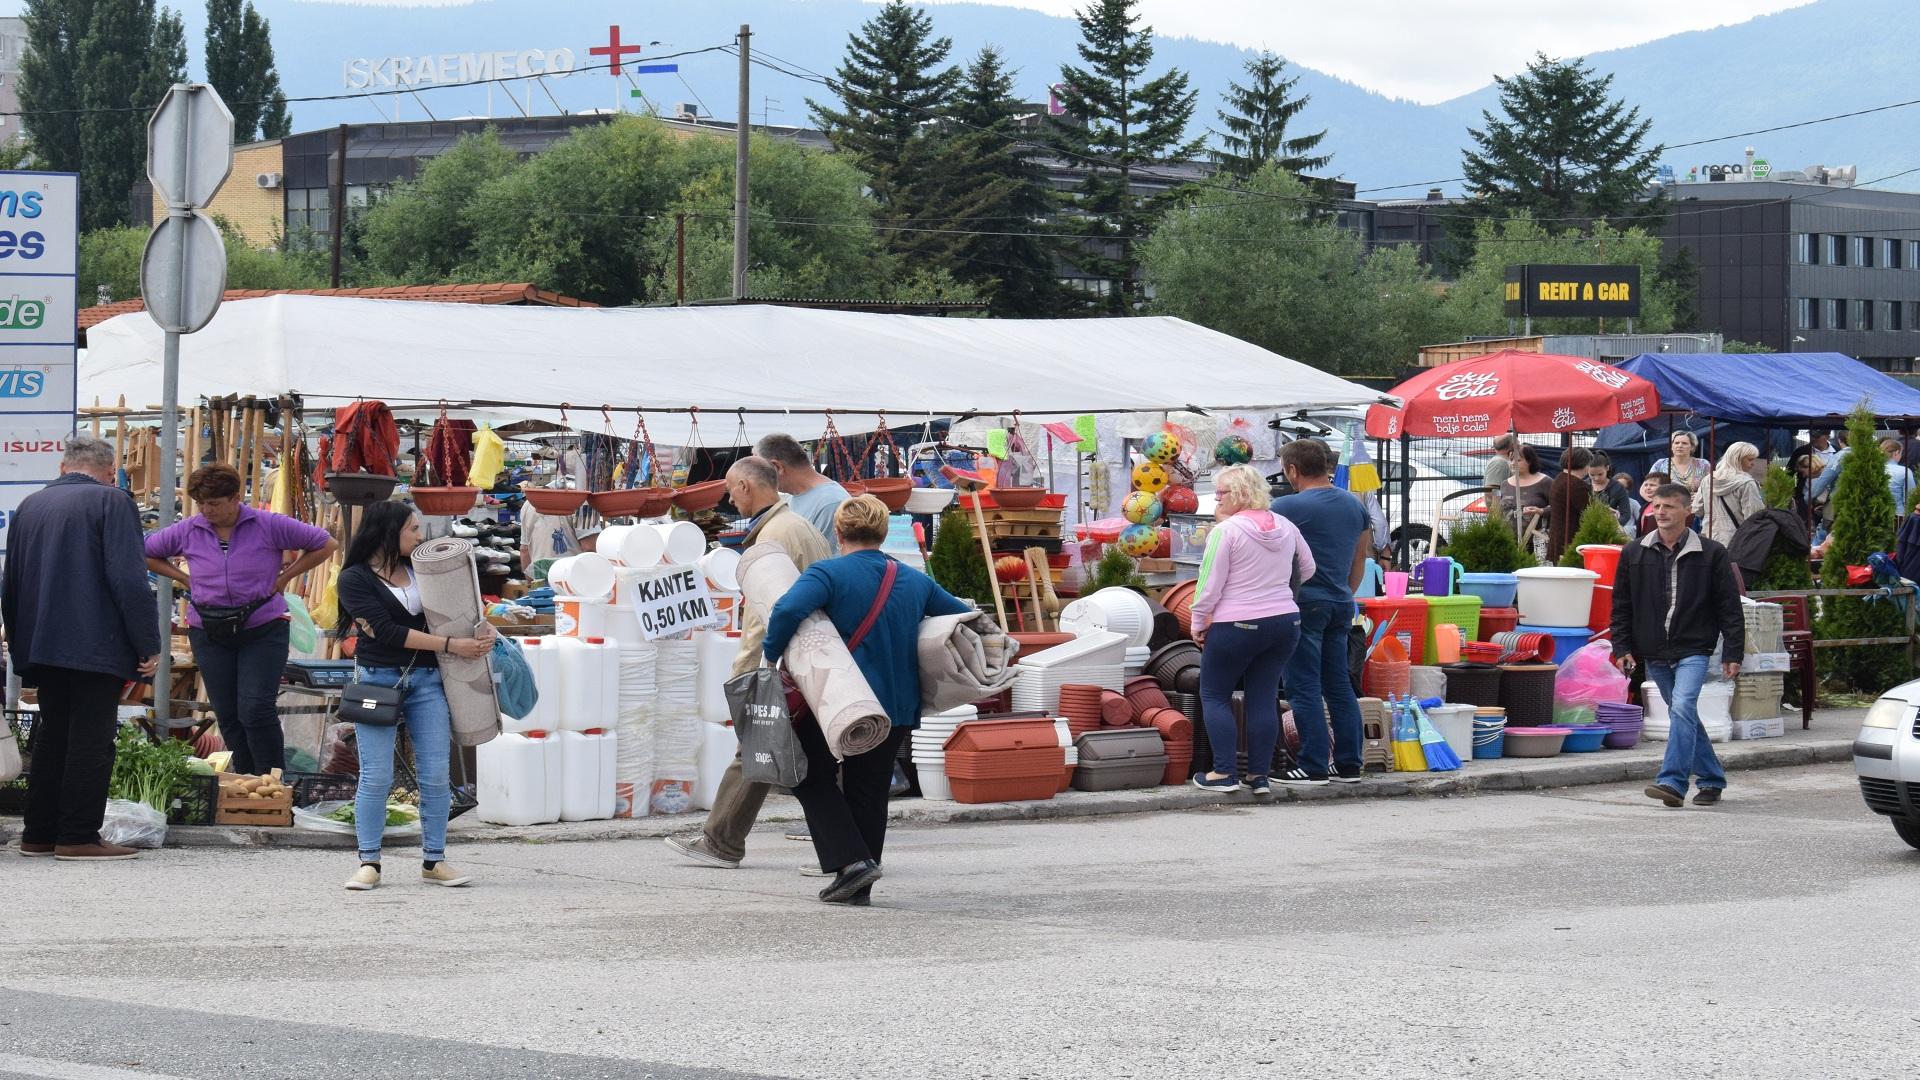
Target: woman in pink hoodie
x=1247, y=623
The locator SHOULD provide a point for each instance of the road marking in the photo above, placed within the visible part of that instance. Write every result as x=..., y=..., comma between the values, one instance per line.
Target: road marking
x=72, y=1070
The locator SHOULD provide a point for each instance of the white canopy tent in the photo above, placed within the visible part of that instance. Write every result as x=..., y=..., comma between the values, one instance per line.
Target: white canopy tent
x=784, y=366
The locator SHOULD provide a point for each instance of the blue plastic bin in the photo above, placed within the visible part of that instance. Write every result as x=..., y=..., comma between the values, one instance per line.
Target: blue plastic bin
x=1566, y=639
x=1494, y=590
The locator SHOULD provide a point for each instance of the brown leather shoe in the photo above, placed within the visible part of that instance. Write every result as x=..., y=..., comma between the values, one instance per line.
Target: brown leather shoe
x=93, y=852
x=36, y=851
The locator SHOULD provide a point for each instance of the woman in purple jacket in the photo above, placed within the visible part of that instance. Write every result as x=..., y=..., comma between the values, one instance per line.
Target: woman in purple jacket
x=1247, y=622
x=236, y=618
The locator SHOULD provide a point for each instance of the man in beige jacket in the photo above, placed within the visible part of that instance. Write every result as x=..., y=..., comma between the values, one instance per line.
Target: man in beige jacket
x=752, y=485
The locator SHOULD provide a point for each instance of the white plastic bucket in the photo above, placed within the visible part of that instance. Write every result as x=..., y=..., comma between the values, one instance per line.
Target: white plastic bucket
x=721, y=566
x=586, y=772
x=1560, y=596
x=933, y=779
x=682, y=541
x=1119, y=611
x=637, y=547
x=587, y=574
x=1455, y=724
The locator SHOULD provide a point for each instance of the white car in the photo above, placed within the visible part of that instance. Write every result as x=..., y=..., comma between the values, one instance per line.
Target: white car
x=1886, y=757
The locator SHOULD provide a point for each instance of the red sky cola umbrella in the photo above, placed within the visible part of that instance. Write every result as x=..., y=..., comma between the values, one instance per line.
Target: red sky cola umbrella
x=1533, y=393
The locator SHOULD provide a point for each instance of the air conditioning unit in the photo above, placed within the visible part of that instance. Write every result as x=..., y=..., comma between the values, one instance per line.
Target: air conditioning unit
x=269, y=181
x=686, y=110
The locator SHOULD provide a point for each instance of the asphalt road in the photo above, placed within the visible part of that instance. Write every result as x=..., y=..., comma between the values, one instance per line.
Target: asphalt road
x=1581, y=933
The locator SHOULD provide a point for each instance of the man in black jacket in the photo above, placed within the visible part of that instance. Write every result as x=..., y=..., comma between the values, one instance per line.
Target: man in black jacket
x=1674, y=598
x=81, y=621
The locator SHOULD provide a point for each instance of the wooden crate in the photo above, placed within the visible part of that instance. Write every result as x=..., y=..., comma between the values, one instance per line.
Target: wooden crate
x=235, y=808
x=1025, y=517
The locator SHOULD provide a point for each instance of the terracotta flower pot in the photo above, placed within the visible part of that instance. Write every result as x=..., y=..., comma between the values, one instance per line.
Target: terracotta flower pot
x=632, y=502
x=445, y=501
x=556, y=502
x=892, y=490
x=1019, y=498
x=696, y=498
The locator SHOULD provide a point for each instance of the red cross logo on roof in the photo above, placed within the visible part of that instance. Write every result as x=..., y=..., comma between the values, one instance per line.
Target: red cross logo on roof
x=614, y=50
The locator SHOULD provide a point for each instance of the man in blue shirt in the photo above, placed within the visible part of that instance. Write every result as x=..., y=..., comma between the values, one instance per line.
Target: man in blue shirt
x=811, y=495
x=1335, y=525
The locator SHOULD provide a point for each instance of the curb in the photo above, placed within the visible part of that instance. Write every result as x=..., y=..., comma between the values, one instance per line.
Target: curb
x=1510, y=775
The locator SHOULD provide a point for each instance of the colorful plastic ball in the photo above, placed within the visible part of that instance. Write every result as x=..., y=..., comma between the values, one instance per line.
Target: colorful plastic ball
x=1141, y=507
x=1150, y=477
x=1140, y=541
x=1179, y=499
x=1162, y=447
x=1233, y=450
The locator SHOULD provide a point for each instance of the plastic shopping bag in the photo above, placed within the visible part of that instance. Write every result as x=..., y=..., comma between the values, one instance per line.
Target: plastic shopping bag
x=302, y=636
x=513, y=682
x=134, y=825
x=770, y=750
x=1588, y=677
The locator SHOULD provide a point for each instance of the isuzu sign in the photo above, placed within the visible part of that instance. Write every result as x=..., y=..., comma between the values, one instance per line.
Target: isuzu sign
x=1572, y=291
x=438, y=68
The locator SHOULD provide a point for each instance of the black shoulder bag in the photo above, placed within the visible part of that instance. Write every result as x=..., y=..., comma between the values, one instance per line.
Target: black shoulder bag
x=372, y=704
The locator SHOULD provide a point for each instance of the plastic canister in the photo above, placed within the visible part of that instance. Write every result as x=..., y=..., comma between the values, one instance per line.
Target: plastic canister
x=519, y=779
x=543, y=659
x=581, y=688
x=586, y=768
x=718, y=745
x=716, y=650
x=607, y=653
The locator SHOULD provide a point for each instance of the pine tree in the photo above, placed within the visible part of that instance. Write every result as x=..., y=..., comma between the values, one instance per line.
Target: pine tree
x=240, y=66
x=1863, y=523
x=891, y=84
x=1124, y=120
x=129, y=58
x=1598, y=525
x=1256, y=129
x=981, y=192
x=1563, y=148
x=956, y=561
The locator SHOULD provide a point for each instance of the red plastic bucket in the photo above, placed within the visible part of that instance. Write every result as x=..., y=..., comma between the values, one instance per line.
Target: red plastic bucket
x=1602, y=559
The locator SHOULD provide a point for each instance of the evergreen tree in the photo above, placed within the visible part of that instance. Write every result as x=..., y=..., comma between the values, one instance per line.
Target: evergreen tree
x=51, y=79
x=240, y=66
x=1863, y=523
x=129, y=58
x=890, y=85
x=1563, y=148
x=981, y=188
x=1598, y=525
x=956, y=561
x=1256, y=129
x=1123, y=120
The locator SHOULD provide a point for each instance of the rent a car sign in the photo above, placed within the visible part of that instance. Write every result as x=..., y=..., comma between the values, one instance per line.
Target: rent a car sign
x=39, y=253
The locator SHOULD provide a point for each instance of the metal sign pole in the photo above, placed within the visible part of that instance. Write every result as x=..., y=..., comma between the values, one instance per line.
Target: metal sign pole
x=169, y=482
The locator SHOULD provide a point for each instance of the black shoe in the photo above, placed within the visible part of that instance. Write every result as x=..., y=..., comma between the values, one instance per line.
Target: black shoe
x=851, y=879
x=1260, y=787
x=1345, y=774
x=1297, y=777
x=1667, y=795
x=1706, y=796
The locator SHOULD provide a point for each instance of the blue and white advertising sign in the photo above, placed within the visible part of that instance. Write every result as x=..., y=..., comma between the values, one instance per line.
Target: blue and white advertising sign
x=39, y=257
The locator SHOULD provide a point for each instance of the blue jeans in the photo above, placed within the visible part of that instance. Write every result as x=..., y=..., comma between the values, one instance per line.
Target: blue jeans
x=1249, y=655
x=430, y=726
x=242, y=679
x=1689, y=754
x=1318, y=684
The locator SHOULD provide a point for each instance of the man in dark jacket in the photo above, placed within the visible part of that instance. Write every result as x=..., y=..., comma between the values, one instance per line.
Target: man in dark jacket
x=1674, y=599
x=80, y=623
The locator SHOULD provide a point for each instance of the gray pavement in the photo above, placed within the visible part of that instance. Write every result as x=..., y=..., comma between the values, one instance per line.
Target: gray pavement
x=1567, y=933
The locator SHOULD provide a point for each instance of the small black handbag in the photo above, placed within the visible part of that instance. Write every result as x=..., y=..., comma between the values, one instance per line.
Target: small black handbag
x=372, y=704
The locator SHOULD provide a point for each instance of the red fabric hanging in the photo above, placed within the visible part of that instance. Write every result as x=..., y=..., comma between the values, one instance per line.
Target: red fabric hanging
x=449, y=453
x=365, y=439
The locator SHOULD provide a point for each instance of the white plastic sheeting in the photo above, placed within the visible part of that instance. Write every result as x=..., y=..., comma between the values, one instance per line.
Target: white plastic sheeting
x=719, y=359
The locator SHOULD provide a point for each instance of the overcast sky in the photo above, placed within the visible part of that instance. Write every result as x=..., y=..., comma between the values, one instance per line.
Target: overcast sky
x=1427, y=50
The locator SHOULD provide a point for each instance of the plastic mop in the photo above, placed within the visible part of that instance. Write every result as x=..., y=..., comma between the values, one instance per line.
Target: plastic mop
x=1440, y=757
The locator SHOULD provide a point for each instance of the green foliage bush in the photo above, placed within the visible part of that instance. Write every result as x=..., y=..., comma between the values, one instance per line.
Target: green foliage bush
x=1863, y=523
x=1598, y=525
x=957, y=563
x=1488, y=546
x=1116, y=570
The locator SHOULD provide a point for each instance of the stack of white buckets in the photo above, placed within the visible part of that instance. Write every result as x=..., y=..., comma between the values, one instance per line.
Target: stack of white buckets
x=618, y=731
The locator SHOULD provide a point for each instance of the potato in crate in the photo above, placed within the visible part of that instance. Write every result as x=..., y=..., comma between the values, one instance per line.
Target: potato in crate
x=254, y=800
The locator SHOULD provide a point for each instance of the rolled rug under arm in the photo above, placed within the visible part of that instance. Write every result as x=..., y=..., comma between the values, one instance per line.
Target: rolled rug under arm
x=450, y=596
x=849, y=714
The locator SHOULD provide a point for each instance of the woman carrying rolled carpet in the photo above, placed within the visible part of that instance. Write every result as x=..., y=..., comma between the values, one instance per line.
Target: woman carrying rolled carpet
x=876, y=604
x=380, y=603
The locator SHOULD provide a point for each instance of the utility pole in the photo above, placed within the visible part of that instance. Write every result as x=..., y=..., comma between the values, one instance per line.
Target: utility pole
x=680, y=260
x=337, y=200
x=741, y=133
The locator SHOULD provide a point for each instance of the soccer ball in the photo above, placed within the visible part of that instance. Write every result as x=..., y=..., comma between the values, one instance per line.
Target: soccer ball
x=1179, y=499
x=1233, y=450
x=1140, y=541
x=1150, y=477
x=1141, y=507
x=1162, y=447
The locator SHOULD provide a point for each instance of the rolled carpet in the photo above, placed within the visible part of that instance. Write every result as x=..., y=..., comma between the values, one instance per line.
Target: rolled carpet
x=849, y=715
x=450, y=596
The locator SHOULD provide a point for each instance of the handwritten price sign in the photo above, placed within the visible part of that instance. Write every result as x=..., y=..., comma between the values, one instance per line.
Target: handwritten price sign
x=672, y=601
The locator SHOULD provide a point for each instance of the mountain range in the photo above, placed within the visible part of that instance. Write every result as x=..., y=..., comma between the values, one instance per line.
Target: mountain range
x=1829, y=57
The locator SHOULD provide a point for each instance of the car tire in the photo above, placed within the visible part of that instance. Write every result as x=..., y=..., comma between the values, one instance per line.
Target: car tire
x=1419, y=540
x=1909, y=830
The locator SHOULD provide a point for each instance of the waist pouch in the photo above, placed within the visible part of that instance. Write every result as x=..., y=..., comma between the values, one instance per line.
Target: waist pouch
x=225, y=624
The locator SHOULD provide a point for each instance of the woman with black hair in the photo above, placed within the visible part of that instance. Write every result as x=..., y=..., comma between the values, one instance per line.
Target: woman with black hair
x=380, y=602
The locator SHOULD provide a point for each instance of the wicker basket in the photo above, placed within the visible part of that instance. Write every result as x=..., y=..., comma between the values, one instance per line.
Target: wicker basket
x=1473, y=684
x=1526, y=692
